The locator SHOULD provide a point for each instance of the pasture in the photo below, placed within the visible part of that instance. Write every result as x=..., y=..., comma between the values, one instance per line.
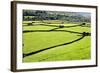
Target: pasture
x=45, y=41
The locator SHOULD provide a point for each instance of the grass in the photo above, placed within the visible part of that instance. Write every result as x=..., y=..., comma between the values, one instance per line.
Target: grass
x=34, y=41
x=48, y=39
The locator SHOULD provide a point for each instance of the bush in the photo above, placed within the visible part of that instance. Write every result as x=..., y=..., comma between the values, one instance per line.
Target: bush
x=61, y=26
x=29, y=24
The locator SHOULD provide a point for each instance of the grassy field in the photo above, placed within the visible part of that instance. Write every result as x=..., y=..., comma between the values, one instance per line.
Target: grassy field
x=35, y=41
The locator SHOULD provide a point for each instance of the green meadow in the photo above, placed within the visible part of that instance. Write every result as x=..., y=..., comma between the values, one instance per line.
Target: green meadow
x=46, y=45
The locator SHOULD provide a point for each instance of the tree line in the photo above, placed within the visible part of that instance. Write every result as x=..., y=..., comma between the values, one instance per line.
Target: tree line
x=32, y=15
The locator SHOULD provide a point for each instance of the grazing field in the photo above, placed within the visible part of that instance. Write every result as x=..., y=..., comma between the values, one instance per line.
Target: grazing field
x=50, y=41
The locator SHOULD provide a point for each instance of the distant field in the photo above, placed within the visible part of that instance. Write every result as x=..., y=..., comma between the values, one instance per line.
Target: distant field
x=37, y=37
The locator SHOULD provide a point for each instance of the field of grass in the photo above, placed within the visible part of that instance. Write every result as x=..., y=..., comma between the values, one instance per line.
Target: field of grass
x=40, y=38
